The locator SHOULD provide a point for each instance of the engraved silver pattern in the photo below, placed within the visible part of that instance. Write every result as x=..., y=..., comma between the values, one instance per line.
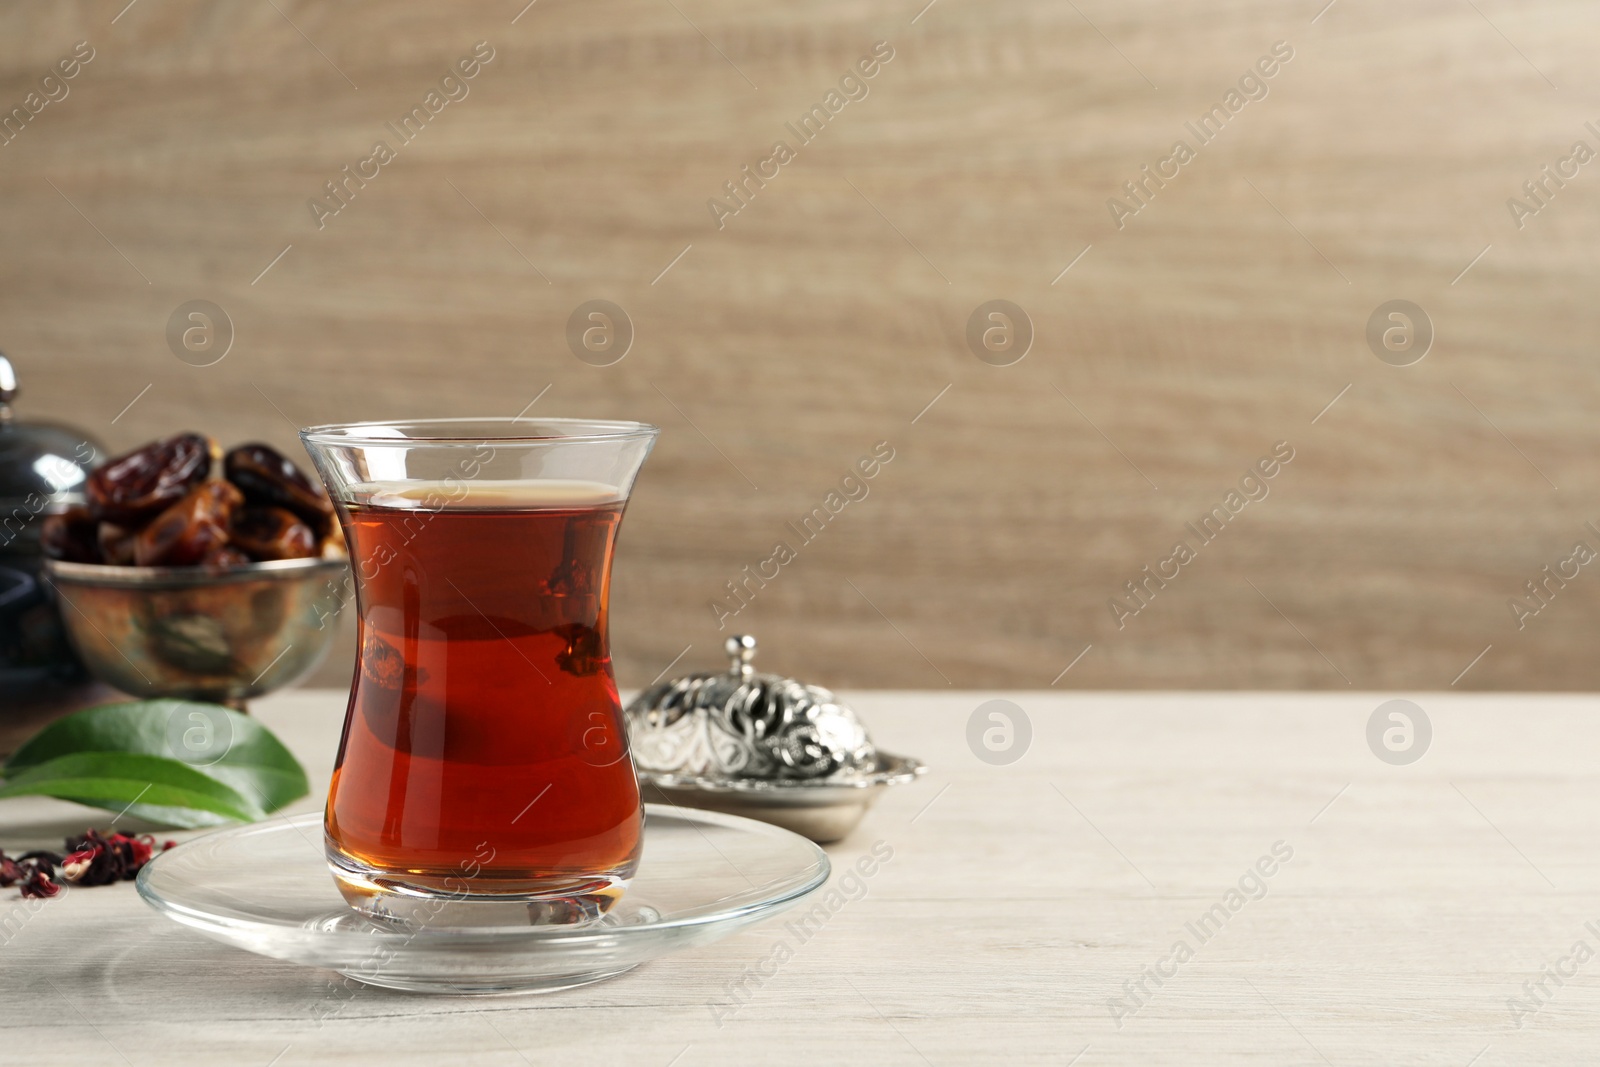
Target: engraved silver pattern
x=741, y=724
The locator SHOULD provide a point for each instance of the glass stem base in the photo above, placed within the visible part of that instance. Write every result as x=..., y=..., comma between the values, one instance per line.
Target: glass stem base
x=422, y=899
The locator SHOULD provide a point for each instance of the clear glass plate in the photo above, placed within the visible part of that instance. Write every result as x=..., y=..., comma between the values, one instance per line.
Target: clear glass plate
x=266, y=888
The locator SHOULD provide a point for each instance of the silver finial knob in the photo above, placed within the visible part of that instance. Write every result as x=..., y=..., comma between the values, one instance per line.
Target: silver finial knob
x=741, y=648
x=8, y=387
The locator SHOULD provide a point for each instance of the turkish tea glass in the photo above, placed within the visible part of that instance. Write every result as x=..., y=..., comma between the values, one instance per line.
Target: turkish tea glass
x=483, y=776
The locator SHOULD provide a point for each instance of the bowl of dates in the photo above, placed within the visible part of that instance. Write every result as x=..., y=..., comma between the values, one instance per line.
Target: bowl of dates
x=191, y=573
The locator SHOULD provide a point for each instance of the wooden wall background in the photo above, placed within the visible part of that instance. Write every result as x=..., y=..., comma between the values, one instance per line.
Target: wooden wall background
x=828, y=314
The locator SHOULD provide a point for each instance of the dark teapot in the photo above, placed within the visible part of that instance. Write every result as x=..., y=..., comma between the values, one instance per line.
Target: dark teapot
x=43, y=468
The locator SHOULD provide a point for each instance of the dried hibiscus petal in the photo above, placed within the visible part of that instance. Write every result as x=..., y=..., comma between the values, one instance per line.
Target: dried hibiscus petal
x=76, y=865
x=141, y=849
x=91, y=858
x=41, y=855
x=149, y=480
x=100, y=859
x=37, y=883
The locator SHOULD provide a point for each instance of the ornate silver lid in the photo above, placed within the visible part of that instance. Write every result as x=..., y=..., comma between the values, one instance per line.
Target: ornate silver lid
x=745, y=725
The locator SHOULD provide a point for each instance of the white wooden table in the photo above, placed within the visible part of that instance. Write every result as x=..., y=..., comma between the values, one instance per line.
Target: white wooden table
x=1021, y=901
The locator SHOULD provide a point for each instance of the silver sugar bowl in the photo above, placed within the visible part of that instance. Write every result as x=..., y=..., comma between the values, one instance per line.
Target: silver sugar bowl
x=762, y=746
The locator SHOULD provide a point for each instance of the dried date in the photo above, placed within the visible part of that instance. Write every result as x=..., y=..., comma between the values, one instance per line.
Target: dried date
x=116, y=543
x=149, y=480
x=226, y=556
x=70, y=535
x=189, y=530
x=265, y=533
x=270, y=479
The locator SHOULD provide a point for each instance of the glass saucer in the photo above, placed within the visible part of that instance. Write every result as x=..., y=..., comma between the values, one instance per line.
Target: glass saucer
x=266, y=888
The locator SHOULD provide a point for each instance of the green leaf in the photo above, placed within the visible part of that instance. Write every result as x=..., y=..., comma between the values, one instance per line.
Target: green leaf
x=217, y=743
x=114, y=780
x=159, y=815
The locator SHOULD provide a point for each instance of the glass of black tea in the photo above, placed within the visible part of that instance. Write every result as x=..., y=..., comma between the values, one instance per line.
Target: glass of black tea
x=483, y=777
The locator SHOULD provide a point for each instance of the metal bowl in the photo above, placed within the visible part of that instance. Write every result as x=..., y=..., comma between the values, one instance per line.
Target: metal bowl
x=201, y=633
x=825, y=810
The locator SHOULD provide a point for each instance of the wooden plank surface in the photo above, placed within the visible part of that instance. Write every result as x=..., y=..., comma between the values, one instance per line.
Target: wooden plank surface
x=1019, y=901
x=831, y=311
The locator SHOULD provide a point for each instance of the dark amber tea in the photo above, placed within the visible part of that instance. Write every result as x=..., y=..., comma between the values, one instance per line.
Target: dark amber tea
x=484, y=749
x=483, y=777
